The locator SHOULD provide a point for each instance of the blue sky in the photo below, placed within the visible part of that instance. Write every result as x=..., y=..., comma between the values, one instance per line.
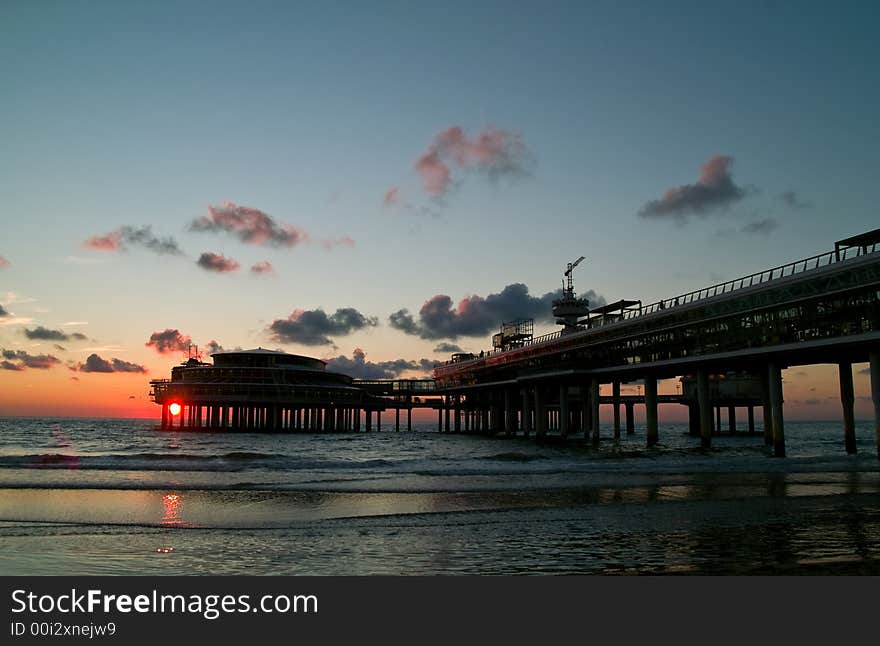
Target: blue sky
x=148, y=113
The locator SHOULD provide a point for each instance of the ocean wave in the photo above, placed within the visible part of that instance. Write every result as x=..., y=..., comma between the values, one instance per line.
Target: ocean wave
x=231, y=461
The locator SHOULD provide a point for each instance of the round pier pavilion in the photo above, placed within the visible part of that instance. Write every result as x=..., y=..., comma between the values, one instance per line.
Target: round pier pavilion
x=261, y=390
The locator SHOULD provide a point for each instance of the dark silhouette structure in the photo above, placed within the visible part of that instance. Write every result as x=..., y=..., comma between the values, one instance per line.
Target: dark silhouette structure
x=823, y=309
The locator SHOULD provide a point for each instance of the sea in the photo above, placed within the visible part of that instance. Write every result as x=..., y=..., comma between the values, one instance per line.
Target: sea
x=120, y=496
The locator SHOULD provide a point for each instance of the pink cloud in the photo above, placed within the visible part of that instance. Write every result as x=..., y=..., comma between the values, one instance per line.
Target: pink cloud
x=391, y=196
x=493, y=152
x=4, y=263
x=344, y=241
x=435, y=173
x=109, y=242
x=217, y=262
x=264, y=267
x=249, y=225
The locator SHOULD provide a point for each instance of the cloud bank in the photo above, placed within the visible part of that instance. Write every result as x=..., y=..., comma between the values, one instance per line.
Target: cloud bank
x=95, y=363
x=24, y=360
x=478, y=315
x=358, y=367
x=314, y=327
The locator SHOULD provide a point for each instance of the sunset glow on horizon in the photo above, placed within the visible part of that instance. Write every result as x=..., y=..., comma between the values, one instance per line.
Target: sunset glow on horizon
x=380, y=187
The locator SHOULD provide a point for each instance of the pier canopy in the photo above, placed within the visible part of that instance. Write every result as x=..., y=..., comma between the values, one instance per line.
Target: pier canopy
x=261, y=358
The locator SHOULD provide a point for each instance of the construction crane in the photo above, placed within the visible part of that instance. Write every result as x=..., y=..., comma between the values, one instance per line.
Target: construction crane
x=569, y=287
x=569, y=309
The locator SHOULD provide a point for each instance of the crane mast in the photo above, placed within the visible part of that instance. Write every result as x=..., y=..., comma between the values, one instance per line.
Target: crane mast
x=570, y=308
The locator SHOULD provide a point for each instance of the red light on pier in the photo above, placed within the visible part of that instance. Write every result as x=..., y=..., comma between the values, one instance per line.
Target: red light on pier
x=174, y=409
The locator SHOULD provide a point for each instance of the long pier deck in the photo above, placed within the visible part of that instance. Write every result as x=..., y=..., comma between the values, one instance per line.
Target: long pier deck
x=822, y=309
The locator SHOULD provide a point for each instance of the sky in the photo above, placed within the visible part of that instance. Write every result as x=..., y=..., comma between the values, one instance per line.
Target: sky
x=375, y=183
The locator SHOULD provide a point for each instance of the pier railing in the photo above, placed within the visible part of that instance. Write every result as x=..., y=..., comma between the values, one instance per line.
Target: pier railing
x=759, y=278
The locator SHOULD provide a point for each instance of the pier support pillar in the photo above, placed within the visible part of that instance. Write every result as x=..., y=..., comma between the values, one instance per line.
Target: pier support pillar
x=615, y=402
x=731, y=419
x=446, y=423
x=563, y=410
x=509, y=413
x=369, y=424
x=775, y=378
x=378, y=421
x=767, y=409
x=847, y=400
x=540, y=413
x=397, y=418
x=526, y=413
x=439, y=420
x=594, y=411
x=651, y=409
x=751, y=420
x=457, y=411
x=694, y=420
x=705, y=410
x=409, y=418
x=874, y=358
x=718, y=419
x=630, y=418
x=164, y=416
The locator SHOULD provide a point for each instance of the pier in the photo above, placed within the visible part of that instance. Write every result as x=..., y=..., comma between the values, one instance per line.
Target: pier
x=822, y=309
x=726, y=345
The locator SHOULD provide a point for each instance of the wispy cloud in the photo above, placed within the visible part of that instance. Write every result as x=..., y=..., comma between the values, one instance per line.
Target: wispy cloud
x=714, y=190
x=762, y=226
x=249, y=225
x=124, y=237
x=493, y=152
x=4, y=263
x=45, y=334
x=793, y=200
x=263, y=268
x=391, y=196
x=23, y=360
x=332, y=243
x=11, y=319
